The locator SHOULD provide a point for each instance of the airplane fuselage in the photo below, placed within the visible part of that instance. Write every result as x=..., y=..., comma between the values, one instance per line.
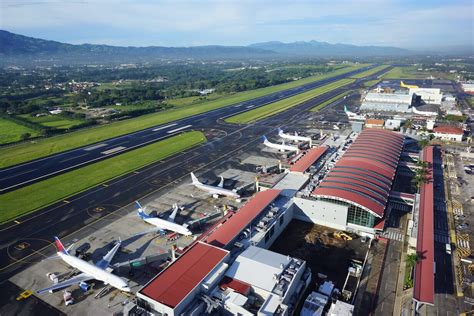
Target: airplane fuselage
x=280, y=146
x=216, y=190
x=294, y=137
x=167, y=225
x=96, y=272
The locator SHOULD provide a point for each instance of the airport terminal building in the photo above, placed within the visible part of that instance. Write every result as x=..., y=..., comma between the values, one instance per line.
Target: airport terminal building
x=354, y=193
x=387, y=102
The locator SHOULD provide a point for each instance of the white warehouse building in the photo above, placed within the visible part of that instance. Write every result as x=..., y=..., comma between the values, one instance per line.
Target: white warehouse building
x=387, y=102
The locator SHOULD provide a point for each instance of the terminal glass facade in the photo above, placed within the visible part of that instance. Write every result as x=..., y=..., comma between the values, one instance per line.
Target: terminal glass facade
x=359, y=216
x=355, y=214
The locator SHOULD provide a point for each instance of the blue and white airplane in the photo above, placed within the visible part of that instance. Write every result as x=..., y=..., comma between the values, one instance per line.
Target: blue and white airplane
x=212, y=190
x=100, y=271
x=295, y=137
x=280, y=147
x=163, y=224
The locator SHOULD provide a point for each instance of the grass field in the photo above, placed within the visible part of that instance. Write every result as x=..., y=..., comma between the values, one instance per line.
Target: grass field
x=405, y=73
x=35, y=196
x=56, y=121
x=370, y=72
x=322, y=105
x=27, y=151
x=370, y=83
x=11, y=132
x=193, y=100
x=282, y=105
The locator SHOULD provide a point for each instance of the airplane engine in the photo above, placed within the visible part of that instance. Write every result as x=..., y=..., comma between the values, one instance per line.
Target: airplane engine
x=84, y=286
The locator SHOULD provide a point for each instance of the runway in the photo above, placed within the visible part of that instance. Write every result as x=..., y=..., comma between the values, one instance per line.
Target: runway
x=28, y=239
x=14, y=177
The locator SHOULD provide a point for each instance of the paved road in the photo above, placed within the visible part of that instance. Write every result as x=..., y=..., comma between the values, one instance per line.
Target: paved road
x=20, y=175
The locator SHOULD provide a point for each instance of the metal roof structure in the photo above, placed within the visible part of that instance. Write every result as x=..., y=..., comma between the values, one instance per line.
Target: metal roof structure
x=448, y=130
x=175, y=282
x=364, y=174
x=423, y=289
x=308, y=159
x=235, y=224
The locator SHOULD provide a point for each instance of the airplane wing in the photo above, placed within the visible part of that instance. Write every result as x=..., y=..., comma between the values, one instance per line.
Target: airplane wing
x=152, y=230
x=72, y=281
x=221, y=183
x=105, y=262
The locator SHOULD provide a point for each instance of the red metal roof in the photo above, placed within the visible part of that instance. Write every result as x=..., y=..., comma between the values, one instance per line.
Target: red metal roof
x=308, y=159
x=424, y=270
x=448, y=130
x=237, y=285
x=231, y=228
x=174, y=283
x=364, y=174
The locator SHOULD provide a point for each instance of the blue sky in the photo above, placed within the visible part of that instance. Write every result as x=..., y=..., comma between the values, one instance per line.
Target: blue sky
x=417, y=24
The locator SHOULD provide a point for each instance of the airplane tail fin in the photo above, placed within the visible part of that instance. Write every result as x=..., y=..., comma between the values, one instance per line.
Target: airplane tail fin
x=345, y=109
x=280, y=131
x=60, y=246
x=265, y=140
x=221, y=183
x=193, y=177
x=296, y=133
x=140, y=211
x=173, y=214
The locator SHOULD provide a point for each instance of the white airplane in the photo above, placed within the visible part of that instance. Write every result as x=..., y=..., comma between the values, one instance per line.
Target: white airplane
x=100, y=271
x=280, y=147
x=163, y=224
x=219, y=190
x=353, y=116
x=415, y=111
x=294, y=137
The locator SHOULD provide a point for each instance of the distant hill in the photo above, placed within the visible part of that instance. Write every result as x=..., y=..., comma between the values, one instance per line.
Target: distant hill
x=323, y=49
x=15, y=48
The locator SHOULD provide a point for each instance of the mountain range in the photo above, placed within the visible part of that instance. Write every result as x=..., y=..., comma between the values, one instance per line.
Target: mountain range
x=19, y=48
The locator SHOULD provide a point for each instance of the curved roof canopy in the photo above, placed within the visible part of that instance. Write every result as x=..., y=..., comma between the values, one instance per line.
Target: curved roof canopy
x=365, y=173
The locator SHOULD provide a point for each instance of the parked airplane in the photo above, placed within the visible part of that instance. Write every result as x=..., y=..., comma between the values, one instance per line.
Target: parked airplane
x=280, y=147
x=219, y=190
x=408, y=86
x=163, y=224
x=99, y=271
x=353, y=116
x=294, y=137
x=423, y=113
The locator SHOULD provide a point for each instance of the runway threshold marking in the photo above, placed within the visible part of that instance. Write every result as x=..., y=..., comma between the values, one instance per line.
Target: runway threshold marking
x=113, y=150
x=95, y=147
x=66, y=201
x=17, y=222
x=105, y=185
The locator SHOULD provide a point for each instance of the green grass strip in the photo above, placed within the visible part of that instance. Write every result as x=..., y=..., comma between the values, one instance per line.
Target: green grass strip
x=49, y=191
x=409, y=72
x=11, y=131
x=32, y=150
x=285, y=104
x=371, y=83
x=370, y=72
x=326, y=103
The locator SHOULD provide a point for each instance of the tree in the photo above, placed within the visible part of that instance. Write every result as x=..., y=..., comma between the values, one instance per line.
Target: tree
x=423, y=143
x=25, y=136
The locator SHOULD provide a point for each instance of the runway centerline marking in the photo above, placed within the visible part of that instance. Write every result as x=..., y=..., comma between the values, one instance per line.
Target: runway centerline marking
x=178, y=129
x=163, y=127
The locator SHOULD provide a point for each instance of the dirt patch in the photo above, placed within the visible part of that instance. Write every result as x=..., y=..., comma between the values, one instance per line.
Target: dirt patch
x=322, y=252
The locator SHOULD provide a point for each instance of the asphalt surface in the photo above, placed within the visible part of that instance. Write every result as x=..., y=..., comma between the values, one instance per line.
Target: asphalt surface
x=14, y=177
x=28, y=239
